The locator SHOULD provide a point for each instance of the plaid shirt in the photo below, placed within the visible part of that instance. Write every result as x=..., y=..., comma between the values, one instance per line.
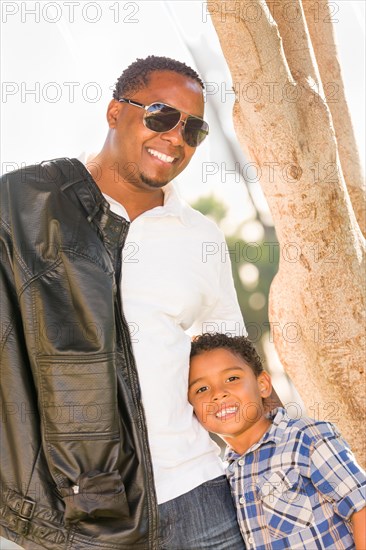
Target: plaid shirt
x=297, y=487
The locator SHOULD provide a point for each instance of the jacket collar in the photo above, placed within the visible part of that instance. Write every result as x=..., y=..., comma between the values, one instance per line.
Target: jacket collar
x=81, y=187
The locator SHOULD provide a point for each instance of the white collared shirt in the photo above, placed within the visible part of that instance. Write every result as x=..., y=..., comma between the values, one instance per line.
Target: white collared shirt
x=176, y=282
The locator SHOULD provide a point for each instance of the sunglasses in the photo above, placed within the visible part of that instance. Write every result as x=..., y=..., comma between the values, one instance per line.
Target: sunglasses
x=160, y=117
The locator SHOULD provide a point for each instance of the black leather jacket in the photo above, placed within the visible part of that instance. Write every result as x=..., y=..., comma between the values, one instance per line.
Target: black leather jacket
x=76, y=471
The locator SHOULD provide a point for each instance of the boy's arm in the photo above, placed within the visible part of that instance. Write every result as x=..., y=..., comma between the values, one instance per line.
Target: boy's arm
x=337, y=475
x=358, y=520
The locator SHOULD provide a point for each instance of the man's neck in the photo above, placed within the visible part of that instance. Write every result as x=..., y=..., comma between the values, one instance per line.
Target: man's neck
x=136, y=201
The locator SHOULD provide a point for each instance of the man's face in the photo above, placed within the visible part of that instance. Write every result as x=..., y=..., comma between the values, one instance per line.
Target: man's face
x=226, y=394
x=136, y=150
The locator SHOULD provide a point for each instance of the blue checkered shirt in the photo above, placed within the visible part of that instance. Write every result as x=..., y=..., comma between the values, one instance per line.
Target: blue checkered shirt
x=297, y=487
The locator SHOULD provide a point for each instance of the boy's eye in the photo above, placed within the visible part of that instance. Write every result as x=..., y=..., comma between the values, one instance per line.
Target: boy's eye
x=232, y=378
x=202, y=389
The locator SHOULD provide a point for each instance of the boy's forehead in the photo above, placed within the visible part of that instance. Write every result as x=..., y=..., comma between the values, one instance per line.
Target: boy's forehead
x=218, y=359
x=220, y=354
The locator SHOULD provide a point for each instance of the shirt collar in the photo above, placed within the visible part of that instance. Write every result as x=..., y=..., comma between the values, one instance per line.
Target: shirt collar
x=274, y=434
x=173, y=206
x=173, y=203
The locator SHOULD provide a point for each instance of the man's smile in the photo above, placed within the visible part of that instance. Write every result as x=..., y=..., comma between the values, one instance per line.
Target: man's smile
x=161, y=156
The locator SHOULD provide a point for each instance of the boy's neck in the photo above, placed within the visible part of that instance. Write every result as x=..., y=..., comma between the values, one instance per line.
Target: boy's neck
x=242, y=442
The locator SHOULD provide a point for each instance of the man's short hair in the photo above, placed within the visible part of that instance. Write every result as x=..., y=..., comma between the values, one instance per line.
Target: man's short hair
x=238, y=345
x=136, y=75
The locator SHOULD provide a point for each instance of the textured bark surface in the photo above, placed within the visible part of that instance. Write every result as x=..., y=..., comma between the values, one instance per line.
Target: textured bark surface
x=283, y=122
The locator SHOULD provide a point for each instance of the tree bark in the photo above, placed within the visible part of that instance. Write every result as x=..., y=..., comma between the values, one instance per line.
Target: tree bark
x=317, y=298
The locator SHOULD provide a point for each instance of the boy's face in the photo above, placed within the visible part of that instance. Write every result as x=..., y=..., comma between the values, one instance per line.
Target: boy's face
x=227, y=397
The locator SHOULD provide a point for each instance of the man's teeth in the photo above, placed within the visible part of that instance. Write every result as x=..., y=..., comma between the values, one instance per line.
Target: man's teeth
x=160, y=156
x=224, y=412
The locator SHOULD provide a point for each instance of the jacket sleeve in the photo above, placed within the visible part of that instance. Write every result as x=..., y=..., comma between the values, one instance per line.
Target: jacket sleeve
x=58, y=360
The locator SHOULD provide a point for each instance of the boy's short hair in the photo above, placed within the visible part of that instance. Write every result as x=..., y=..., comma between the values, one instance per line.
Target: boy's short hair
x=238, y=345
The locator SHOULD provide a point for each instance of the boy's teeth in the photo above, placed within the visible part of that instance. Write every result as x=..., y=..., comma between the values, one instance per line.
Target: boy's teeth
x=224, y=412
x=160, y=156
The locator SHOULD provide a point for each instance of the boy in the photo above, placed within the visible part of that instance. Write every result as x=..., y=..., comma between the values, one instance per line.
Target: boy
x=295, y=483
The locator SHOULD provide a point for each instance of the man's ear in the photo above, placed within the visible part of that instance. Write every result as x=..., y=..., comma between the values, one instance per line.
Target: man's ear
x=264, y=384
x=113, y=109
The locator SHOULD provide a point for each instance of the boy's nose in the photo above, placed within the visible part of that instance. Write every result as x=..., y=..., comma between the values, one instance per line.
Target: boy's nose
x=220, y=394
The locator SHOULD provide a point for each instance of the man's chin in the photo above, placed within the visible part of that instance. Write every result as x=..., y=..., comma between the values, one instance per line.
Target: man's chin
x=154, y=183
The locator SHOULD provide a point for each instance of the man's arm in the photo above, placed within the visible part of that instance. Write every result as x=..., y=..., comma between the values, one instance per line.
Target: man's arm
x=224, y=313
x=358, y=520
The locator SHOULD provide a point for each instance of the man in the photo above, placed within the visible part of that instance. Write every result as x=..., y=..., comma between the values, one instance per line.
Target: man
x=82, y=468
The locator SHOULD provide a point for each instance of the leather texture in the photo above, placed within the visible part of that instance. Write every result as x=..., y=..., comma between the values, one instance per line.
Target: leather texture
x=76, y=470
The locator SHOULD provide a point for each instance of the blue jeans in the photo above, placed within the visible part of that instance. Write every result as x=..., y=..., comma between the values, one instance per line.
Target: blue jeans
x=203, y=518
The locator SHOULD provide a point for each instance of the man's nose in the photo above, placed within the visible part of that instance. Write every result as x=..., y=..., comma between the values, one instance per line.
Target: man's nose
x=175, y=136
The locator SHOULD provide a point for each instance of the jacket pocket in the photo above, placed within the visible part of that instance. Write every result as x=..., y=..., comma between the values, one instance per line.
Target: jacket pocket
x=81, y=436
x=286, y=506
x=96, y=495
x=78, y=396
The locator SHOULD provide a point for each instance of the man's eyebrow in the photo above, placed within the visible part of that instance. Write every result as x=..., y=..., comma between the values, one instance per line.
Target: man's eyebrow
x=224, y=370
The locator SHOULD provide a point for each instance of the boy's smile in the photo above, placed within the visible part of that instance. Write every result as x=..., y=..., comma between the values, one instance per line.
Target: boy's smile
x=228, y=397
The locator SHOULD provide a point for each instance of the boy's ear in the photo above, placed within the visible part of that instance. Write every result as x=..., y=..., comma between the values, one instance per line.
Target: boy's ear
x=264, y=384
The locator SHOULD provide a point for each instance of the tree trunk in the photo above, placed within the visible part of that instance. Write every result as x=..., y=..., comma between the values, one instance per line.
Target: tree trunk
x=284, y=125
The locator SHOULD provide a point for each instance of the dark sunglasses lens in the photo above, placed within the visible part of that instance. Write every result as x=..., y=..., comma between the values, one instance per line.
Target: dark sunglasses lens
x=161, y=118
x=195, y=131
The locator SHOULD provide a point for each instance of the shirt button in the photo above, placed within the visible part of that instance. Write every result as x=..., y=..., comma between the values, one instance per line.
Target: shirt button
x=241, y=462
x=242, y=500
x=250, y=540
